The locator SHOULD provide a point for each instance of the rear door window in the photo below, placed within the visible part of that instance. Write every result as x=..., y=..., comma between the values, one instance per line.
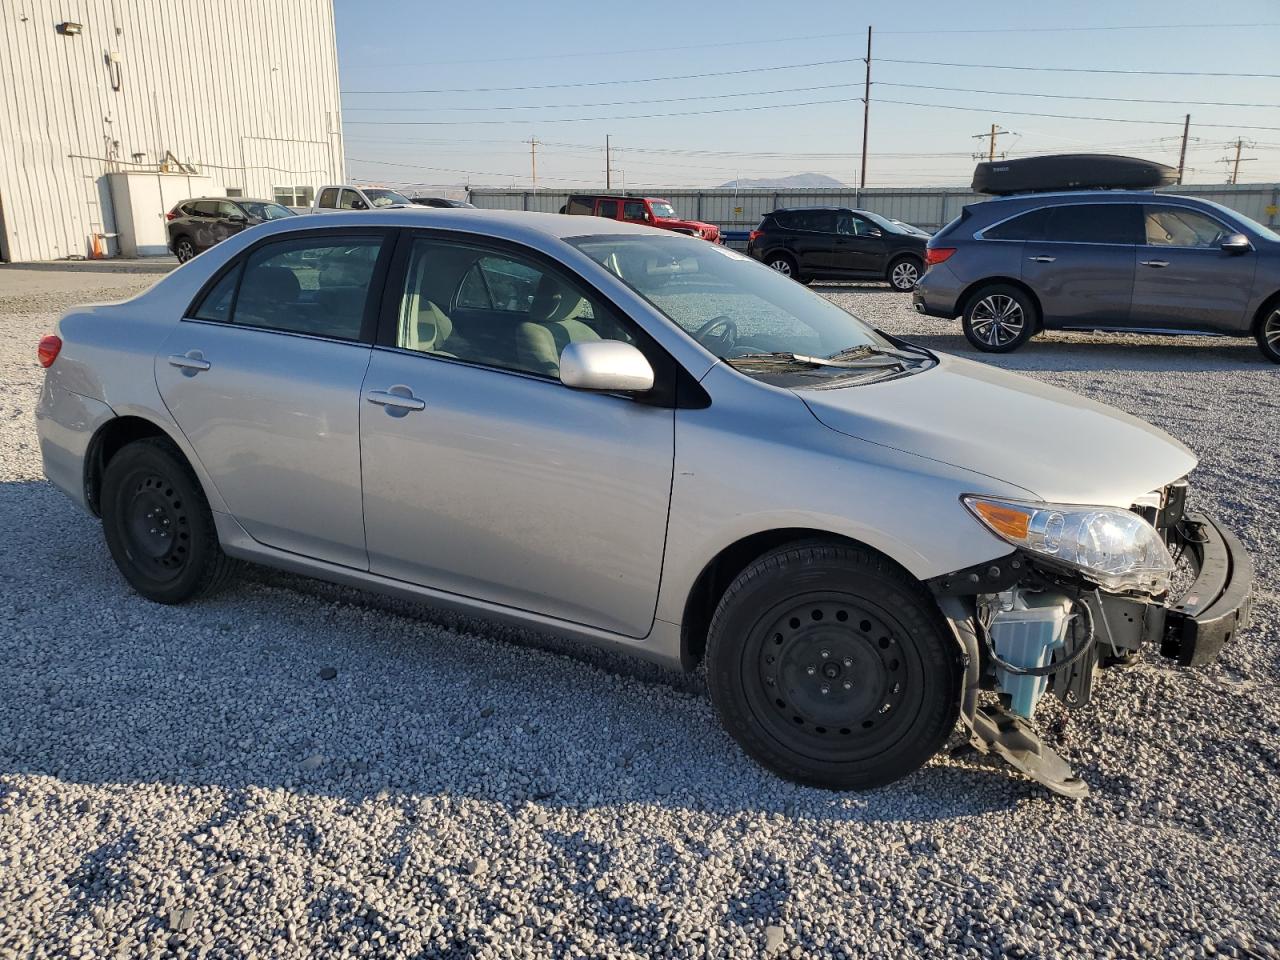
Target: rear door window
x=328, y=198
x=607, y=209
x=204, y=208
x=579, y=205
x=313, y=285
x=1095, y=223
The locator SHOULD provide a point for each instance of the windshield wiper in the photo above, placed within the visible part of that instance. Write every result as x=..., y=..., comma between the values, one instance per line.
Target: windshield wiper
x=868, y=350
x=868, y=361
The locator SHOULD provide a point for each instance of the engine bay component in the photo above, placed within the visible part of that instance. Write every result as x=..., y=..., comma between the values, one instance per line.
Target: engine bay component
x=1025, y=631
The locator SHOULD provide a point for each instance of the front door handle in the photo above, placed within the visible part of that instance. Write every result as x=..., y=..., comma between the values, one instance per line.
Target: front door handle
x=1155, y=263
x=190, y=363
x=397, y=400
x=1042, y=259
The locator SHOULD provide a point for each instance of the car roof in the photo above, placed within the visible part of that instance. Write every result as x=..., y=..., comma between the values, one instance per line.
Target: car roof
x=517, y=225
x=231, y=199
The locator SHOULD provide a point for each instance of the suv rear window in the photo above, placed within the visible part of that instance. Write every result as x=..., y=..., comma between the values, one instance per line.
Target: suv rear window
x=579, y=205
x=1095, y=223
x=813, y=221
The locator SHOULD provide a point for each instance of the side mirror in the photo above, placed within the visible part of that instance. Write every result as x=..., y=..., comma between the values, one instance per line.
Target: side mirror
x=237, y=217
x=1235, y=243
x=873, y=232
x=610, y=366
x=648, y=217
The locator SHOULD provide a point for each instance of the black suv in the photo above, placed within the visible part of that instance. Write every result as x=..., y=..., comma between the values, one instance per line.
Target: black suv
x=835, y=243
x=196, y=225
x=1103, y=260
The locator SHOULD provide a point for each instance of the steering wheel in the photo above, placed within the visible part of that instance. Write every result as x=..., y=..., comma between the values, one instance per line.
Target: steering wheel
x=721, y=342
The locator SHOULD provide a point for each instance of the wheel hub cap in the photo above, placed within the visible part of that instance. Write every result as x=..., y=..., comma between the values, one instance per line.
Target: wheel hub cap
x=830, y=669
x=156, y=526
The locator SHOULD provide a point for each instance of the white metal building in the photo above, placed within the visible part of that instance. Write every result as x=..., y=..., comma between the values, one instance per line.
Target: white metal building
x=113, y=110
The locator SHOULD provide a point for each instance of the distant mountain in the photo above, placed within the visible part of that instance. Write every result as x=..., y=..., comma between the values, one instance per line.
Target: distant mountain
x=798, y=181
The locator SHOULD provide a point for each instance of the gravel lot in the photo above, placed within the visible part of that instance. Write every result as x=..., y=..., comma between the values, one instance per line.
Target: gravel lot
x=183, y=782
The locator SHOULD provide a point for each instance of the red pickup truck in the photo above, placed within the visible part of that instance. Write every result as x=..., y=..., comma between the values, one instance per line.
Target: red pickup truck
x=653, y=211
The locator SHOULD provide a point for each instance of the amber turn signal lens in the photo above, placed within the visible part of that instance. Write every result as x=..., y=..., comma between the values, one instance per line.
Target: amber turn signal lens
x=1006, y=521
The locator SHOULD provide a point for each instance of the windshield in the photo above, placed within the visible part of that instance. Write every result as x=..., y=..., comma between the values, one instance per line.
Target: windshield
x=380, y=197
x=893, y=226
x=663, y=209
x=1262, y=231
x=266, y=211
x=736, y=307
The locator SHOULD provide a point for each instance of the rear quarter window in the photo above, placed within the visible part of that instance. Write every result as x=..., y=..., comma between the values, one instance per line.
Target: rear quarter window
x=1026, y=226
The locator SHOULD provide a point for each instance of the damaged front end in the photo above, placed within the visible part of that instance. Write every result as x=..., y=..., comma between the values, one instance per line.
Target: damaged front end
x=1084, y=588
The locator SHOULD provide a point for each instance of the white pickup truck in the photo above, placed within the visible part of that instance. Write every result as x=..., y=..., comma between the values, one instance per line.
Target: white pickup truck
x=343, y=197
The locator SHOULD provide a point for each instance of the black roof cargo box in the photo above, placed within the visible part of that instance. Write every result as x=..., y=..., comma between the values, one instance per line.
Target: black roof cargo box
x=1070, y=171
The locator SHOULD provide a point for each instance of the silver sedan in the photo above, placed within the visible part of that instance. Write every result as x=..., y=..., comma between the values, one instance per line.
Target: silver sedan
x=644, y=441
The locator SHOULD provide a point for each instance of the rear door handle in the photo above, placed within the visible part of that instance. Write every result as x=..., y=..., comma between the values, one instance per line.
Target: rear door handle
x=397, y=400
x=1042, y=259
x=190, y=363
x=1155, y=263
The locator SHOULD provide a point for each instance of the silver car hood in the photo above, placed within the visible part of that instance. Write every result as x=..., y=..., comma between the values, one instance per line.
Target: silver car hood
x=1054, y=444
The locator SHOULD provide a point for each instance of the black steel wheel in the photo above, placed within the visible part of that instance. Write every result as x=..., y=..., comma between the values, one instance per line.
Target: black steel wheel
x=157, y=523
x=832, y=666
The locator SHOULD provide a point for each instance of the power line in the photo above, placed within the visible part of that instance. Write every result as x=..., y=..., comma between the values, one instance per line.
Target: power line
x=1066, y=116
x=1145, y=73
x=609, y=103
x=806, y=103
x=1073, y=96
x=609, y=83
x=819, y=36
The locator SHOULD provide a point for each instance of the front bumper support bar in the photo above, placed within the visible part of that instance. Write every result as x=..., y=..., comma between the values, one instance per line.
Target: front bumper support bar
x=1218, y=603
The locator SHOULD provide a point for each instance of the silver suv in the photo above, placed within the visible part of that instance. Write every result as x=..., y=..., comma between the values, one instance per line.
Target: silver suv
x=1095, y=260
x=648, y=442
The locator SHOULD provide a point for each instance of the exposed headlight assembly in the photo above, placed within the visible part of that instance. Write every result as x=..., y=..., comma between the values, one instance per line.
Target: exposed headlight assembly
x=1115, y=548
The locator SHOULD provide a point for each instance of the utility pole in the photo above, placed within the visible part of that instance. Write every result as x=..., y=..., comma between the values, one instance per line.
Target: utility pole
x=990, y=136
x=1182, y=154
x=608, y=165
x=533, y=160
x=866, y=113
x=1235, y=163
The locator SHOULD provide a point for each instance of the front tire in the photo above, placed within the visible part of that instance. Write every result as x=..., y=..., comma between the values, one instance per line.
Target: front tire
x=903, y=274
x=158, y=526
x=999, y=318
x=1268, y=333
x=832, y=667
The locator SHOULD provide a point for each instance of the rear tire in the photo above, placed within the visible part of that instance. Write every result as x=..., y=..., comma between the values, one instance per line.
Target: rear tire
x=784, y=264
x=815, y=615
x=999, y=318
x=158, y=525
x=1268, y=333
x=904, y=273
x=184, y=249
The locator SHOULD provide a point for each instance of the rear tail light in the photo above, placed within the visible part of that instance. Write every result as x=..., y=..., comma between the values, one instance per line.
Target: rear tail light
x=47, y=352
x=172, y=214
x=754, y=235
x=934, y=255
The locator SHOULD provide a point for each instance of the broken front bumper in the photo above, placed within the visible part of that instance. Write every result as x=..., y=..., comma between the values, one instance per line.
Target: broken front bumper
x=1218, y=603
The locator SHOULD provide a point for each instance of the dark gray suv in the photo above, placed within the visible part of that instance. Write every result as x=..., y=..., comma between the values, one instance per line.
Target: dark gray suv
x=1095, y=260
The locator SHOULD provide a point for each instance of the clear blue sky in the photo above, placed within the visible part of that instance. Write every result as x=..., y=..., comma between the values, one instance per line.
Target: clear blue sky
x=389, y=47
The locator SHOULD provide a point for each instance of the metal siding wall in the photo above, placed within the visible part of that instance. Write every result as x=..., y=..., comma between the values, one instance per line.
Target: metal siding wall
x=224, y=84
x=925, y=207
